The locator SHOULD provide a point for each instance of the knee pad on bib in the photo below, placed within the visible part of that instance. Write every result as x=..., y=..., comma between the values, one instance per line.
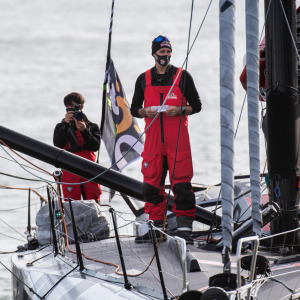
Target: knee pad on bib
x=185, y=198
x=151, y=194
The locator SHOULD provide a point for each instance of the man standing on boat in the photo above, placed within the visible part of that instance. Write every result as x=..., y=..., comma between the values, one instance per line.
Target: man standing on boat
x=152, y=88
x=75, y=133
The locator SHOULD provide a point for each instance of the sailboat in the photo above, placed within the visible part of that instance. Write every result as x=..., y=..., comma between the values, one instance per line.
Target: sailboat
x=230, y=259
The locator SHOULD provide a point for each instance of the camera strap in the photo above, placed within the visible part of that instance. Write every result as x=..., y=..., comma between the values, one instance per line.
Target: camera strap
x=74, y=147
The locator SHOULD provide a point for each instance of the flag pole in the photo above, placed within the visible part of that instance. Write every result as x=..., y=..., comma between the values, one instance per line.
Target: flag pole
x=107, y=65
x=106, y=76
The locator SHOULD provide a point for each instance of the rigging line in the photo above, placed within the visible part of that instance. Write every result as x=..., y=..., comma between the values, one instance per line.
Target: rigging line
x=100, y=174
x=173, y=83
x=261, y=104
x=242, y=109
x=245, y=193
x=24, y=189
x=41, y=169
x=260, y=39
x=139, y=136
x=213, y=217
x=180, y=117
x=45, y=180
x=199, y=28
x=18, y=177
x=13, y=161
x=101, y=205
x=12, y=228
x=290, y=31
x=184, y=59
x=19, y=279
x=11, y=237
x=249, y=206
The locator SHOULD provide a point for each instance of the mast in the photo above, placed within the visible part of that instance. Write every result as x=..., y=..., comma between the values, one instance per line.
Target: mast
x=227, y=93
x=282, y=114
x=252, y=61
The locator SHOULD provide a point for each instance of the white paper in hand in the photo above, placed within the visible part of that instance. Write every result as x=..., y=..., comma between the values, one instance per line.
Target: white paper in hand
x=163, y=108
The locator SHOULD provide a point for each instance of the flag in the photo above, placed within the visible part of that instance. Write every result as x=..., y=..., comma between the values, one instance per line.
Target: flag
x=119, y=130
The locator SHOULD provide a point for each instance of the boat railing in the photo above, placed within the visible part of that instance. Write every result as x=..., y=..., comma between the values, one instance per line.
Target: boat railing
x=157, y=269
x=255, y=241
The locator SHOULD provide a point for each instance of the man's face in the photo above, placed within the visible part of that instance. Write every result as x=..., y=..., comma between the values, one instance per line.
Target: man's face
x=164, y=51
x=162, y=57
x=72, y=106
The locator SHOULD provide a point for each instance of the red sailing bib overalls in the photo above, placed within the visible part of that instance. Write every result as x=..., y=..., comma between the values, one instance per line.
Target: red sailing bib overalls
x=160, y=147
x=91, y=189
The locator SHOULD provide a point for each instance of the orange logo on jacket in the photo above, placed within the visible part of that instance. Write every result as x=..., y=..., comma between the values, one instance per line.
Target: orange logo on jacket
x=172, y=96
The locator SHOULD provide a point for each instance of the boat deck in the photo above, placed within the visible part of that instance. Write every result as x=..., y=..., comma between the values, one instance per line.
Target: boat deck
x=140, y=270
x=143, y=273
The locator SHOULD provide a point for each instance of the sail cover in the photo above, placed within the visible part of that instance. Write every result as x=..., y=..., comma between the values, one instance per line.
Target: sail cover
x=119, y=130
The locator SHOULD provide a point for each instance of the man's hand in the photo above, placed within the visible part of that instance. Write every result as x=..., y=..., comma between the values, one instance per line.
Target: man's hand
x=69, y=117
x=147, y=112
x=150, y=113
x=173, y=111
x=81, y=126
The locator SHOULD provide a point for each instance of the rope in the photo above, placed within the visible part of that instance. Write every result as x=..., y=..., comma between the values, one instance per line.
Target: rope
x=22, y=157
x=18, y=177
x=15, y=162
x=24, y=189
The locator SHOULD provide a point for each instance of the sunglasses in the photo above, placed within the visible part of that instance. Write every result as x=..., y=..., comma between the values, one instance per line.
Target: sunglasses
x=161, y=38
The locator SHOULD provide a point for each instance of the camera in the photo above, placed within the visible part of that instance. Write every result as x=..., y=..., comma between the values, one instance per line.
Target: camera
x=78, y=114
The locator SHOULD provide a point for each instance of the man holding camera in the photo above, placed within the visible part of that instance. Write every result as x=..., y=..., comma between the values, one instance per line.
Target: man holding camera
x=75, y=133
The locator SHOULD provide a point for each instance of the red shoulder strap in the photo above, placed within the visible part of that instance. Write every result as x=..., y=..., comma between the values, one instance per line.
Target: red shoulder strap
x=148, y=77
x=179, y=71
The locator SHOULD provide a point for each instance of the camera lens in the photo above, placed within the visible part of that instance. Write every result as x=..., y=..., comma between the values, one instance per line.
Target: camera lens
x=78, y=115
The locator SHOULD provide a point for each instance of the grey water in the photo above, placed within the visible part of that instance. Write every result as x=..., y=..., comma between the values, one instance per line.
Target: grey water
x=51, y=48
